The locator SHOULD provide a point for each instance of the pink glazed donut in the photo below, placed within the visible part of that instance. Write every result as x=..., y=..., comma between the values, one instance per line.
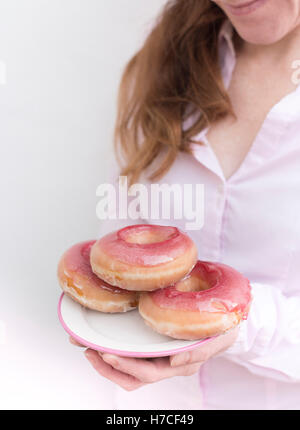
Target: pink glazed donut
x=78, y=281
x=211, y=300
x=143, y=257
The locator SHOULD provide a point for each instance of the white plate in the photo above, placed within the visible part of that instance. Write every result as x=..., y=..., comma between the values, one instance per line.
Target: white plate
x=124, y=334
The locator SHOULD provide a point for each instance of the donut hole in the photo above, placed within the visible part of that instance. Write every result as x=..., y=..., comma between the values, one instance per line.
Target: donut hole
x=192, y=284
x=146, y=235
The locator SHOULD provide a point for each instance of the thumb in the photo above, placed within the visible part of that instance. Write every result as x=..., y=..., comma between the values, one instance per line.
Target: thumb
x=202, y=353
x=198, y=355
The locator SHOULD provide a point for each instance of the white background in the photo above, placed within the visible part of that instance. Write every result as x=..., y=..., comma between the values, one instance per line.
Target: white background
x=63, y=61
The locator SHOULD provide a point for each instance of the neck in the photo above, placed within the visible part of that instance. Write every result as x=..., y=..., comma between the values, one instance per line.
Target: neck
x=286, y=49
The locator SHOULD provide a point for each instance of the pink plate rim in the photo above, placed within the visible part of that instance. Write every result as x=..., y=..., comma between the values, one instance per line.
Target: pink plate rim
x=123, y=353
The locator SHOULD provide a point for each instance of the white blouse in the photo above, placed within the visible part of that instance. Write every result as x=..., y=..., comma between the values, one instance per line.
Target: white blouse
x=252, y=223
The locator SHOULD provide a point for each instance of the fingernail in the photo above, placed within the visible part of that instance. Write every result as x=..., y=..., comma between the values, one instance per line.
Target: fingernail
x=89, y=356
x=87, y=353
x=110, y=359
x=179, y=360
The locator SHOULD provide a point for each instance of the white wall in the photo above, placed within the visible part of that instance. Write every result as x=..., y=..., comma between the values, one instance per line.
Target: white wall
x=63, y=61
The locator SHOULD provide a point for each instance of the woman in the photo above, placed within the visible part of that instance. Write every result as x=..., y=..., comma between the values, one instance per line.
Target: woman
x=215, y=92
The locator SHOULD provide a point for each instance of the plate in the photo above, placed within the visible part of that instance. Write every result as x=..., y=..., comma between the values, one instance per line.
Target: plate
x=123, y=334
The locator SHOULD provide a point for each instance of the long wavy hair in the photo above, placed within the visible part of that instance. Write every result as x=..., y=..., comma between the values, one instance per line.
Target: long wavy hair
x=175, y=74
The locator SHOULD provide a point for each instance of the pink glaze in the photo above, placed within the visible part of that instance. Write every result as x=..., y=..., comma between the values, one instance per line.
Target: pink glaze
x=117, y=246
x=77, y=261
x=229, y=291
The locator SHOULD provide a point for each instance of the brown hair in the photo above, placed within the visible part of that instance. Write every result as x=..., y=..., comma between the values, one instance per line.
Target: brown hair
x=175, y=74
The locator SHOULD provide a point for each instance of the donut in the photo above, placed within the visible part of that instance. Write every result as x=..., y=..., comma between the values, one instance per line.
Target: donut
x=212, y=299
x=78, y=281
x=143, y=257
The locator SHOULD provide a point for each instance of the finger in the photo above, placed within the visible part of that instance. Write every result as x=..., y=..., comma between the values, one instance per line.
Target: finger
x=199, y=355
x=148, y=371
x=144, y=370
x=189, y=369
x=74, y=342
x=125, y=381
x=211, y=348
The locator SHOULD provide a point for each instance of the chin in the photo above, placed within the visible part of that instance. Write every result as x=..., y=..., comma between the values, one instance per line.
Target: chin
x=265, y=34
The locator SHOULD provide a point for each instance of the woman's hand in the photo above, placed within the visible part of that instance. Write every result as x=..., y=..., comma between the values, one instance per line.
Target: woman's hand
x=133, y=373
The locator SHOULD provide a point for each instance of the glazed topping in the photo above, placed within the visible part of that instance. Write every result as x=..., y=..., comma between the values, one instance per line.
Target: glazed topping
x=77, y=267
x=145, y=245
x=210, y=287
